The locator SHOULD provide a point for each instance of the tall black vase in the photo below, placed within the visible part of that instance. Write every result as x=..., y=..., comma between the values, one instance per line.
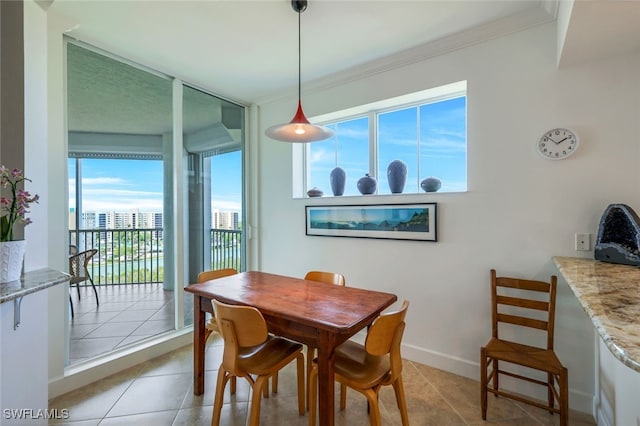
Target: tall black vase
x=338, y=178
x=397, y=176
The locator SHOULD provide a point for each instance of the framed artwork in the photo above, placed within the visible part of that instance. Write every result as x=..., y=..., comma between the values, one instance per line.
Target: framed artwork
x=390, y=221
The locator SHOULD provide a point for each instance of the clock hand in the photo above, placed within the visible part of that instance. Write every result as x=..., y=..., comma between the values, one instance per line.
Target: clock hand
x=562, y=140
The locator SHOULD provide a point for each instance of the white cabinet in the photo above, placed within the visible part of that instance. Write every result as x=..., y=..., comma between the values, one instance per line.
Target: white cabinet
x=618, y=397
x=23, y=361
x=24, y=366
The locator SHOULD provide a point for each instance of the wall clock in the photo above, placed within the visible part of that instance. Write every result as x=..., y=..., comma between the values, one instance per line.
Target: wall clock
x=557, y=144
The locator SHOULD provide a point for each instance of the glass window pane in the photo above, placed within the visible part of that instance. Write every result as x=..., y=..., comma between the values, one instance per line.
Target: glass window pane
x=348, y=148
x=398, y=140
x=443, y=148
x=71, y=167
x=226, y=211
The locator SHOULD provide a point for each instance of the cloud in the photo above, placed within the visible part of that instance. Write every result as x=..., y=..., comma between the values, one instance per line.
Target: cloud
x=104, y=181
x=227, y=205
x=141, y=204
x=120, y=200
x=120, y=193
x=321, y=155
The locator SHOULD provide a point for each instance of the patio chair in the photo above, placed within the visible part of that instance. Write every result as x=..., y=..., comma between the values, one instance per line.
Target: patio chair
x=80, y=273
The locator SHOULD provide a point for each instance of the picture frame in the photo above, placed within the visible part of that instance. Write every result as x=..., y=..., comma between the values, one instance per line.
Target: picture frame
x=416, y=221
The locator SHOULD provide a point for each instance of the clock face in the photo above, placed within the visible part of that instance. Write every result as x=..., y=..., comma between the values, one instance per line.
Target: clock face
x=557, y=144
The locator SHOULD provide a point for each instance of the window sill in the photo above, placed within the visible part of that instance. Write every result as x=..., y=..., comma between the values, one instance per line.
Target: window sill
x=374, y=198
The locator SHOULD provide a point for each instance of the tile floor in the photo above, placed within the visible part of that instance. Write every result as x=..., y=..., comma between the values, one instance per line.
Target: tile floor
x=160, y=392
x=126, y=314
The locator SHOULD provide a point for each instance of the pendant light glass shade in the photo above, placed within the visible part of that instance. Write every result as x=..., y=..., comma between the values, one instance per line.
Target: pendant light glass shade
x=298, y=130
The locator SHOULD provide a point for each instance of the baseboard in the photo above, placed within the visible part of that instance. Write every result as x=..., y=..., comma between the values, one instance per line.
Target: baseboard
x=84, y=373
x=578, y=400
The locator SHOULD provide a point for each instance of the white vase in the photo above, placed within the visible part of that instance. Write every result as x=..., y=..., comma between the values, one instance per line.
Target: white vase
x=11, y=257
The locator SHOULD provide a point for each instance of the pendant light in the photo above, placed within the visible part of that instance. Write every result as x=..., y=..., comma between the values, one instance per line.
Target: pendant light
x=298, y=130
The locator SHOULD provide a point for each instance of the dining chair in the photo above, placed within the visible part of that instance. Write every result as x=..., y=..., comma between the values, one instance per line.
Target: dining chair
x=328, y=278
x=249, y=350
x=80, y=273
x=212, y=325
x=522, y=304
x=367, y=368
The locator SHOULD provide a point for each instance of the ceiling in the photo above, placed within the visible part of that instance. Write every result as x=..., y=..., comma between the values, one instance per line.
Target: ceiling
x=247, y=50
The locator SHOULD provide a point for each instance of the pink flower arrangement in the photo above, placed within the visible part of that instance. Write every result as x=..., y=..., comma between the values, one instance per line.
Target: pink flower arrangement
x=14, y=208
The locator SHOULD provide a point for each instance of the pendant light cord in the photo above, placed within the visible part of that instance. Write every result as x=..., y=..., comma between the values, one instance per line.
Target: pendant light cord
x=299, y=60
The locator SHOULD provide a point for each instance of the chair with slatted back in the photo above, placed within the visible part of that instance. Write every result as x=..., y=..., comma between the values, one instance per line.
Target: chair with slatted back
x=327, y=278
x=530, y=304
x=367, y=368
x=251, y=352
x=79, y=271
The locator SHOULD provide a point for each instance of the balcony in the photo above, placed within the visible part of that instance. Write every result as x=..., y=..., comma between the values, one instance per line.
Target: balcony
x=136, y=256
x=128, y=272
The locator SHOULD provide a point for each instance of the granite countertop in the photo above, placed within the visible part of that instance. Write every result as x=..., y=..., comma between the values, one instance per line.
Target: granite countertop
x=610, y=294
x=31, y=282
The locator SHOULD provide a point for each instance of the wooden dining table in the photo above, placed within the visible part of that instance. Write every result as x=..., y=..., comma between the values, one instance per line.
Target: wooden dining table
x=308, y=312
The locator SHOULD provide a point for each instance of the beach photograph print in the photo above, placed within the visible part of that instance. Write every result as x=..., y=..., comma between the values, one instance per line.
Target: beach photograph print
x=391, y=221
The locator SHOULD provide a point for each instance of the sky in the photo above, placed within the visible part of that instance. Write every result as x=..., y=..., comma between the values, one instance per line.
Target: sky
x=125, y=185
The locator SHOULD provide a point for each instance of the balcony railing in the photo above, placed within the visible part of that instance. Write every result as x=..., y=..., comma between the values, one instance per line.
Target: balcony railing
x=226, y=249
x=136, y=256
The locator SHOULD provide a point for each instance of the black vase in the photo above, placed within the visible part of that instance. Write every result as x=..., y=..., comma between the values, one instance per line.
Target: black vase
x=431, y=184
x=397, y=176
x=338, y=177
x=367, y=184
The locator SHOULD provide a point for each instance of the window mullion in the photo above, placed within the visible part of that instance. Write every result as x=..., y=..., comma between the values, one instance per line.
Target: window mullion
x=373, y=145
x=418, y=143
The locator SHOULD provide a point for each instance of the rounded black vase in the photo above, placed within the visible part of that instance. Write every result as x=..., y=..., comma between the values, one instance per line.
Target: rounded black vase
x=367, y=184
x=431, y=184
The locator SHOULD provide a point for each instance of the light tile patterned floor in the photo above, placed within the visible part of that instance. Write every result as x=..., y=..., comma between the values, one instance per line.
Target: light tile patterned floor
x=126, y=314
x=160, y=392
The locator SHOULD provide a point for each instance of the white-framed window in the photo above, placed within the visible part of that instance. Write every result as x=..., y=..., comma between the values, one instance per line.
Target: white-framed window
x=425, y=130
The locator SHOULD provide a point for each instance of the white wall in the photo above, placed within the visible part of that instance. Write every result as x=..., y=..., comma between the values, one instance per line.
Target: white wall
x=23, y=351
x=520, y=209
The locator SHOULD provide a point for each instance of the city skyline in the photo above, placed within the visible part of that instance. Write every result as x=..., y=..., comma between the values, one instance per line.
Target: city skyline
x=141, y=220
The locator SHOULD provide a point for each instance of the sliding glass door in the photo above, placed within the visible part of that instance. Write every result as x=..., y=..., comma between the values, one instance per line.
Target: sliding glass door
x=151, y=198
x=213, y=134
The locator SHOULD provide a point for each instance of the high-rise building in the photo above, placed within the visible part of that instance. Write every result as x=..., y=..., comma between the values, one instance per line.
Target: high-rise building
x=224, y=219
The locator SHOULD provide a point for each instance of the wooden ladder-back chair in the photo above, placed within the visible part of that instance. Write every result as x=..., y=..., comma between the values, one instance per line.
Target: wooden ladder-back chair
x=212, y=325
x=250, y=350
x=524, y=303
x=368, y=368
x=327, y=278
x=80, y=273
